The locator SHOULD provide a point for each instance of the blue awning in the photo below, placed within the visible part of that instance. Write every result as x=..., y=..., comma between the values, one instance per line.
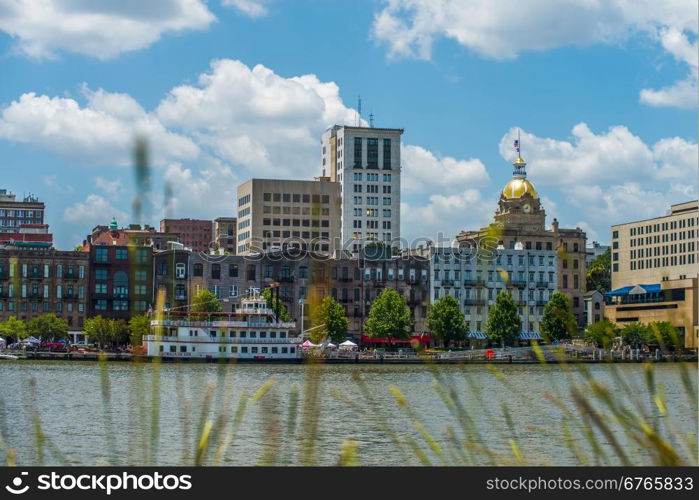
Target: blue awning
x=634, y=289
x=530, y=336
x=477, y=335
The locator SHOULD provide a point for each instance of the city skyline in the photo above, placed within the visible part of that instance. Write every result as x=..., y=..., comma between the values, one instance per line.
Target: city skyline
x=606, y=111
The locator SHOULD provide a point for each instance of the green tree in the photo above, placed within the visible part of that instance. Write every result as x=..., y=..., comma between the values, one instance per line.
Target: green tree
x=205, y=301
x=558, y=321
x=331, y=315
x=98, y=330
x=48, y=326
x=138, y=327
x=504, y=323
x=389, y=316
x=276, y=305
x=14, y=328
x=446, y=321
x=120, y=331
x=601, y=333
x=663, y=334
x=635, y=333
x=599, y=273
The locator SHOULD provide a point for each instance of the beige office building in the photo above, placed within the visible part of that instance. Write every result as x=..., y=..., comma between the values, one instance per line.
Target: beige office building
x=654, y=271
x=276, y=214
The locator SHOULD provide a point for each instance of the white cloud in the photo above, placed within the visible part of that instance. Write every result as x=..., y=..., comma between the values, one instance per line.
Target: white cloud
x=608, y=205
x=423, y=172
x=615, y=155
x=257, y=119
x=502, y=29
x=94, y=210
x=442, y=217
x=98, y=29
x=251, y=8
x=681, y=94
x=101, y=132
x=109, y=187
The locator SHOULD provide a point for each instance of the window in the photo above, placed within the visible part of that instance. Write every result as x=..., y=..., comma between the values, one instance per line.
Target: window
x=100, y=274
x=357, y=152
x=122, y=253
x=216, y=271
x=101, y=255
x=198, y=269
x=180, y=270
x=372, y=153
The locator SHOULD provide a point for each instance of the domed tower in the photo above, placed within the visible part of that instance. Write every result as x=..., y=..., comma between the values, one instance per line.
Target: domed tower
x=519, y=204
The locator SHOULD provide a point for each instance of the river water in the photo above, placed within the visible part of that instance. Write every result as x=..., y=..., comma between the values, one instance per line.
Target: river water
x=106, y=414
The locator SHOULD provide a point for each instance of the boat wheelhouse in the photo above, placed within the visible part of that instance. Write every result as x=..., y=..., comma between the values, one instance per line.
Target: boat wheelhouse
x=253, y=332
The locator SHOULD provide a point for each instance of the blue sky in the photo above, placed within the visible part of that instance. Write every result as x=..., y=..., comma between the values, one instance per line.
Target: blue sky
x=604, y=95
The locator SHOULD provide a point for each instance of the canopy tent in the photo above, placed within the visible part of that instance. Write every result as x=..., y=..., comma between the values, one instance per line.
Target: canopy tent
x=329, y=345
x=31, y=340
x=308, y=343
x=477, y=335
x=348, y=343
x=634, y=290
x=529, y=336
x=423, y=339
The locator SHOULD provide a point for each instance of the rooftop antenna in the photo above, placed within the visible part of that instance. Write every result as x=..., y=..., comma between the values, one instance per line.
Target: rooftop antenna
x=371, y=120
x=359, y=110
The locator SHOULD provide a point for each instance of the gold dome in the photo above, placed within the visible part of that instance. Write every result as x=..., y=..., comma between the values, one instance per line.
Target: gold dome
x=516, y=188
x=519, y=161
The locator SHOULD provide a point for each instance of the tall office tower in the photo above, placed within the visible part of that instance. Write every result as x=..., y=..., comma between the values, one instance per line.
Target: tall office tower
x=366, y=163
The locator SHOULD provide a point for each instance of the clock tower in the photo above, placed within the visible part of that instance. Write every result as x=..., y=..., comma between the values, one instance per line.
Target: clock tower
x=519, y=206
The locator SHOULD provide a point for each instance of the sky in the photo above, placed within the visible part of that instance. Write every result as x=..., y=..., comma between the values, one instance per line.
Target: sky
x=603, y=94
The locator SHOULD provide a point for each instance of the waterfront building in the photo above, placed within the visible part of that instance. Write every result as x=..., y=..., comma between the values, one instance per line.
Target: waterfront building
x=530, y=275
x=594, y=306
x=196, y=234
x=277, y=213
x=225, y=231
x=121, y=271
x=366, y=162
x=133, y=234
x=521, y=218
x=36, y=280
x=654, y=271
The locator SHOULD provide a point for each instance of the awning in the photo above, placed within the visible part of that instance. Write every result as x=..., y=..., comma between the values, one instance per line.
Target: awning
x=477, y=335
x=634, y=290
x=530, y=336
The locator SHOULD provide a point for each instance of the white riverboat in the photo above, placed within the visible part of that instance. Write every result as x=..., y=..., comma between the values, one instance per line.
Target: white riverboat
x=251, y=333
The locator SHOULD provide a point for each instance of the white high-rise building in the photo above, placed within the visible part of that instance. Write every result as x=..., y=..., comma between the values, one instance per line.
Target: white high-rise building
x=366, y=162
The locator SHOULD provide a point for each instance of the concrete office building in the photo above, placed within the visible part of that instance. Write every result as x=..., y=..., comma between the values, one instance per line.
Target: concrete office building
x=654, y=271
x=275, y=214
x=366, y=163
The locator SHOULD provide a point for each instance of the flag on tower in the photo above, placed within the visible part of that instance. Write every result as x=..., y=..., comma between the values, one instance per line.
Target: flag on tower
x=517, y=145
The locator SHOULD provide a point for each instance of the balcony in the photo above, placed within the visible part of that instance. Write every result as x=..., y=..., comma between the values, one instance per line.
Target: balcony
x=474, y=302
x=36, y=276
x=344, y=279
x=71, y=276
x=476, y=282
x=181, y=296
x=446, y=283
x=345, y=300
x=519, y=283
x=542, y=284
x=286, y=279
x=541, y=302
